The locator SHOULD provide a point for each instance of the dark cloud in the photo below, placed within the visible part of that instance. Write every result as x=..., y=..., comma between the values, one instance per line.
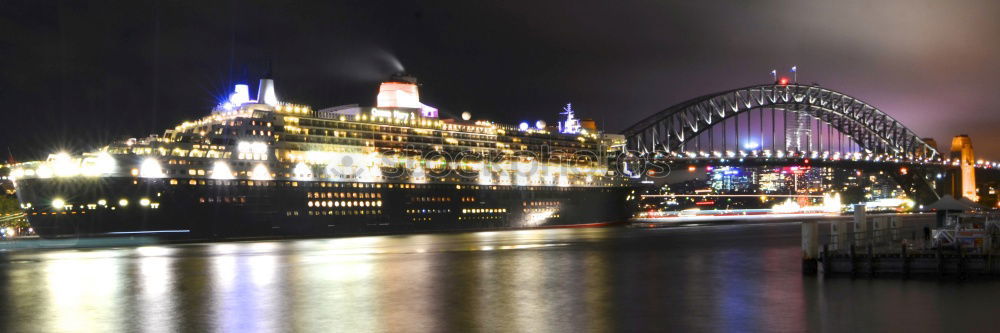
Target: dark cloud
x=80, y=73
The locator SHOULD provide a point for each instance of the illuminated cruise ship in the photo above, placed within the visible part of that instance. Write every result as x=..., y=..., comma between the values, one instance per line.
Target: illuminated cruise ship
x=267, y=168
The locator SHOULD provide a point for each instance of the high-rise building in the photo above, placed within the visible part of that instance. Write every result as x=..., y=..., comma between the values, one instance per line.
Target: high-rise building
x=798, y=132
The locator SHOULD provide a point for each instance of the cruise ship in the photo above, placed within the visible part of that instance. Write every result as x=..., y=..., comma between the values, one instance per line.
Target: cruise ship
x=264, y=167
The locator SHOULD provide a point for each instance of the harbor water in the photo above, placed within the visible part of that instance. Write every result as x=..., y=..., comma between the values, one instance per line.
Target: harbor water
x=737, y=277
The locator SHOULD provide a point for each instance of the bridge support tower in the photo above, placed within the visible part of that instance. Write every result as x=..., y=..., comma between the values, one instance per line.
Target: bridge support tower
x=963, y=179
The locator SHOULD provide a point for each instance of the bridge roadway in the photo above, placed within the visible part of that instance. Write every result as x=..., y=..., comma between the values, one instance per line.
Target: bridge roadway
x=757, y=158
x=729, y=195
x=723, y=219
x=924, y=180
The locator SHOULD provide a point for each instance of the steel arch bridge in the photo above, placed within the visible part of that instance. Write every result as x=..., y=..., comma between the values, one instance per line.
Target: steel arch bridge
x=871, y=129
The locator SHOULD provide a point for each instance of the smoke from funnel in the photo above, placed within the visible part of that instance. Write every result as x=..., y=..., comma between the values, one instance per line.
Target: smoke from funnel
x=366, y=64
x=392, y=60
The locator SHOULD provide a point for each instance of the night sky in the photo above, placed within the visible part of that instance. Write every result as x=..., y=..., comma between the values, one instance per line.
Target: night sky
x=74, y=75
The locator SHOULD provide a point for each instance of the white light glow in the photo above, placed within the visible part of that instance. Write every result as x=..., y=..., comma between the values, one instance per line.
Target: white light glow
x=220, y=170
x=260, y=172
x=832, y=203
x=240, y=95
x=258, y=148
x=16, y=173
x=535, y=219
x=252, y=147
x=64, y=165
x=302, y=171
x=101, y=164
x=43, y=172
x=788, y=206
x=243, y=147
x=150, y=168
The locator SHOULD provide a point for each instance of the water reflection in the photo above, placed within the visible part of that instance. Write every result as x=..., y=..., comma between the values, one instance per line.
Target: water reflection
x=83, y=291
x=536, y=280
x=156, y=303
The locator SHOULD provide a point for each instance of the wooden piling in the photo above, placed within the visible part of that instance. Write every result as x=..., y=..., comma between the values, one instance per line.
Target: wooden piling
x=824, y=259
x=940, y=262
x=960, y=267
x=906, y=261
x=854, y=262
x=810, y=247
x=871, y=261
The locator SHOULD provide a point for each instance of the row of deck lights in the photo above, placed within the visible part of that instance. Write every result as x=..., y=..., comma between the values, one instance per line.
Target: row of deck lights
x=62, y=165
x=58, y=203
x=150, y=168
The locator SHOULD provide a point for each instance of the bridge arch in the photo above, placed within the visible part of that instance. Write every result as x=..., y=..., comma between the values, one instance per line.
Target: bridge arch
x=870, y=128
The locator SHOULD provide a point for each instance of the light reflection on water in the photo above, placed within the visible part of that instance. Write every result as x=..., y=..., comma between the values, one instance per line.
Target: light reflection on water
x=156, y=282
x=735, y=278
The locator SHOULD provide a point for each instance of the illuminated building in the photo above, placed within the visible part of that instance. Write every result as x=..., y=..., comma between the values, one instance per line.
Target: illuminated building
x=264, y=167
x=799, y=131
x=731, y=180
x=756, y=187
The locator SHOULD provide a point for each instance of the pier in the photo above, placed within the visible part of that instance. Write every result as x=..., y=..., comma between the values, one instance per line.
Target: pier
x=870, y=246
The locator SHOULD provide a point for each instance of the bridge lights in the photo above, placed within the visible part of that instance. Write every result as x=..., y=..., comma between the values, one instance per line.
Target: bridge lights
x=783, y=81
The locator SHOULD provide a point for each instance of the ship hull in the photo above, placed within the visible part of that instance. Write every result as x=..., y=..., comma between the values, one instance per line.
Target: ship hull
x=222, y=209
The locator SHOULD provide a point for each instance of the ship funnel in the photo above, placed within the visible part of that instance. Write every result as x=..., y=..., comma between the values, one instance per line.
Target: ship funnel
x=400, y=91
x=265, y=93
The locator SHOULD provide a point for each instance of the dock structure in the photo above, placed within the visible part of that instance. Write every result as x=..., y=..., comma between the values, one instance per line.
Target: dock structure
x=886, y=246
